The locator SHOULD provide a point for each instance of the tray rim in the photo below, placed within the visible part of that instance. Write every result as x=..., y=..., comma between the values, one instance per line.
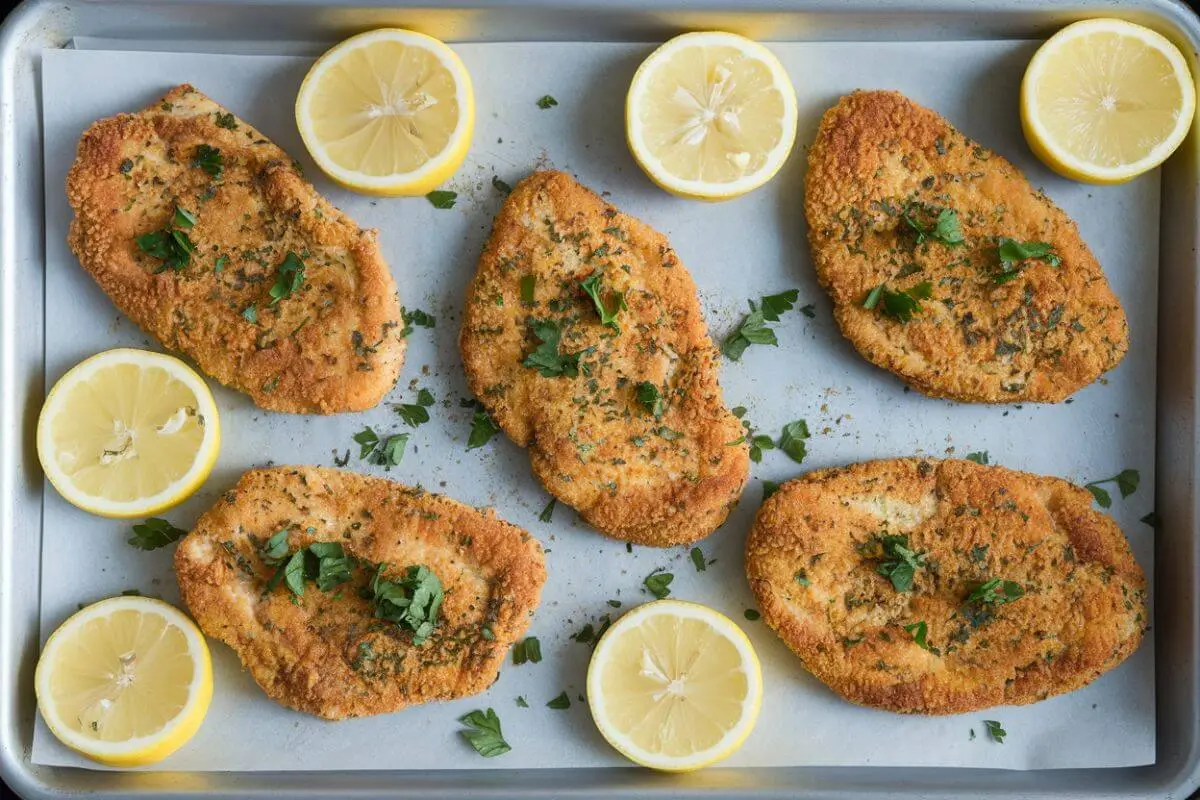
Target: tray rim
x=40, y=23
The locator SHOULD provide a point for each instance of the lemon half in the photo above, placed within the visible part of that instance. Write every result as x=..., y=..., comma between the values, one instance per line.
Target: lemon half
x=387, y=112
x=674, y=685
x=128, y=433
x=1105, y=100
x=711, y=115
x=126, y=681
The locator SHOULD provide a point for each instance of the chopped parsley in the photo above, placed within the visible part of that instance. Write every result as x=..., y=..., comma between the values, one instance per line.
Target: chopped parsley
x=996, y=592
x=801, y=577
x=753, y=327
x=226, y=120
x=412, y=602
x=560, y=703
x=939, y=225
x=171, y=245
x=980, y=457
x=900, y=305
x=1151, y=519
x=792, y=439
x=658, y=583
x=387, y=452
x=995, y=730
x=528, y=649
x=919, y=630
x=417, y=413
x=275, y=549
x=154, y=533
x=1013, y=254
x=698, y=559
x=649, y=398
x=769, y=488
x=483, y=428
x=546, y=102
x=751, y=614
x=900, y=562
x=250, y=314
x=545, y=357
x=548, y=511
x=289, y=278
x=1127, y=481
x=608, y=312
x=209, y=159
x=500, y=186
x=484, y=734
x=324, y=563
x=521, y=703
x=415, y=317
x=442, y=199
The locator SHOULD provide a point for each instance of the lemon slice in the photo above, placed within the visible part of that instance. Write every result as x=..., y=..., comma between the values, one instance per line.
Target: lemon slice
x=126, y=681
x=388, y=112
x=1105, y=100
x=674, y=686
x=710, y=115
x=128, y=433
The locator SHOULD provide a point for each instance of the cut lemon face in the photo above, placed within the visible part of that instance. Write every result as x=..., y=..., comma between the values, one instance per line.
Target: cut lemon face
x=126, y=681
x=128, y=433
x=711, y=115
x=674, y=686
x=1105, y=100
x=388, y=112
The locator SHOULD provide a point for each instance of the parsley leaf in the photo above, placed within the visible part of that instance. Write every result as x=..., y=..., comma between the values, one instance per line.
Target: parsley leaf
x=648, y=396
x=521, y=702
x=919, y=630
x=698, y=559
x=209, y=159
x=1151, y=519
x=591, y=286
x=1013, y=254
x=775, y=304
x=996, y=592
x=940, y=225
x=899, y=305
x=1127, y=481
x=658, y=583
x=289, y=279
x=183, y=218
x=528, y=649
x=484, y=733
x=769, y=488
x=250, y=314
x=275, y=549
x=545, y=357
x=791, y=441
x=415, y=317
x=483, y=428
x=751, y=614
x=415, y=414
x=801, y=577
x=900, y=561
x=154, y=533
x=995, y=730
x=390, y=451
x=226, y=120
x=442, y=199
x=367, y=439
x=980, y=457
x=753, y=327
x=170, y=245
x=548, y=511
x=500, y=186
x=546, y=102
x=560, y=703
x=413, y=601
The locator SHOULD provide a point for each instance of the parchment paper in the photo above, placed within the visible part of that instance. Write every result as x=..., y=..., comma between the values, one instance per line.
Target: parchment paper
x=735, y=250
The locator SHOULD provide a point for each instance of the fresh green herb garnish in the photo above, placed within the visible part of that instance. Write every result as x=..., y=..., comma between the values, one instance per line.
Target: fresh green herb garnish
x=900, y=561
x=996, y=592
x=276, y=549
x=209, y=159
x=412, y=602
x=415, y=317
x=608, y=314
x=289, y=278
x=698, y=559
x=528, y=649
x=560, y=703
x=545, y=357
x=521, y=702
x=995, y=731
x=324, y=563
x=484, y=733
x=979, y=553
x=1151, y=519
x=250, y=314
x=791, y=441
x=658, y=583
x=769, y=488
x=899, y=305
x=381, y=452
x=751, y=614
x=773, y=305
x=801, y=577
x=154, y=533
x=548, y=511
x=483, y=428
x=528, y=285
x=367, y=439
x=1013, y=253
x=226, y=120
x=944, y=227
x=500, y=186
x=979, y=458
x=546, y=102
x=126, y=166
x=170, y=245
x=919, y=630
x=1127, y=481
x=417, y=413
x=442, y=199
x=220, y=263
x=648, y=397
x=753, y=327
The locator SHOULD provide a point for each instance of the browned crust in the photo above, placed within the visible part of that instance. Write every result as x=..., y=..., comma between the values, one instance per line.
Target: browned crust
x=310, y=655
x=333, y=346
x=1039, y=337
x=590, y=443
x=1083, y=612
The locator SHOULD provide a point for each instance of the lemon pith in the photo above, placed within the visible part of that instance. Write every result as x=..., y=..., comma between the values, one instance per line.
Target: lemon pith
x=126, y=681
x=710, y=115
x=674, y=686
x=387, y=112
x=128, y=433
x=1105, y=100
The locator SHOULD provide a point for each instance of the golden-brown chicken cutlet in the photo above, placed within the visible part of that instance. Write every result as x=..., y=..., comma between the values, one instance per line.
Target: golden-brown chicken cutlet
x=584, y=340
x=946, y=267
x=347, y=595
x=206, y=235
x=938, y=587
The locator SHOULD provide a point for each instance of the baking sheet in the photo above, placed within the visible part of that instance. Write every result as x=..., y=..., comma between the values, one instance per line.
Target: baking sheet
x=737, y=250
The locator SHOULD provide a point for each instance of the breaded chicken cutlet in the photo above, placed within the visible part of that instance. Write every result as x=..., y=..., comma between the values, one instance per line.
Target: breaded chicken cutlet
x=939, y=587
x=583, y=338
x=946, y=266
x=346, y=595
x=206, y=235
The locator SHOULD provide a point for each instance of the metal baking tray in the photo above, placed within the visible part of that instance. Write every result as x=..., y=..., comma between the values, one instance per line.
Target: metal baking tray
x=282, y=25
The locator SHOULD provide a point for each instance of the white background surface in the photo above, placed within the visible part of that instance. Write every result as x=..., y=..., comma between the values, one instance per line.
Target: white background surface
x=742, y=249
